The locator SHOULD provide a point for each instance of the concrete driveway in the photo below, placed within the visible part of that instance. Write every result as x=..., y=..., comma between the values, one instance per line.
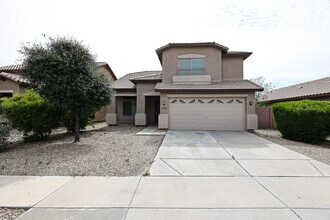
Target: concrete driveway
x=195, y=175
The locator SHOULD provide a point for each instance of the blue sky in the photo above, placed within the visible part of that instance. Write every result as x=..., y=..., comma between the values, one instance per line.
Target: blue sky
x=289, y=39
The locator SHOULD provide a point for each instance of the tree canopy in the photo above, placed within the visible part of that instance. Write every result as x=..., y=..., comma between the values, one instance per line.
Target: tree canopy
x=64, y=72
x=261, y=81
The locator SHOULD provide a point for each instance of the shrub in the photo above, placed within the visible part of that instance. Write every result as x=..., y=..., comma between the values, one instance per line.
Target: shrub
x=4, y=132
x=306, y=120
x=30, y=113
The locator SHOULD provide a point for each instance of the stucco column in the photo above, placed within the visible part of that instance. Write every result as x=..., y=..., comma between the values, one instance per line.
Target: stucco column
x=111, y=117
x=140, y=116
x=163, y=116
x=251, y=116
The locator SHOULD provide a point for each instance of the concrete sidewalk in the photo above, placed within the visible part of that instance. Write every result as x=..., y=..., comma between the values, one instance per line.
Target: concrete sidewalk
x=196, y=175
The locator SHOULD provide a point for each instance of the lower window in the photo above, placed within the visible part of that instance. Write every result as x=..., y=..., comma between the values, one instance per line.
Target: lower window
x=6, y=94
x=129, y=106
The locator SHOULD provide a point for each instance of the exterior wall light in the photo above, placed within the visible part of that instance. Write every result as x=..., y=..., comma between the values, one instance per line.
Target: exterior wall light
x=250, y=103
x=163, y=103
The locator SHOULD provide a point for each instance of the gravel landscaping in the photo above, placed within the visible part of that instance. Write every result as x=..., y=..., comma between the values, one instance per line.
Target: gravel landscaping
x=9, y=214
x=320, y=152
x=107, y=151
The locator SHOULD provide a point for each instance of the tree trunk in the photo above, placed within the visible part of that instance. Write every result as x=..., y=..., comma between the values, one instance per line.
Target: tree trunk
x=76, y=127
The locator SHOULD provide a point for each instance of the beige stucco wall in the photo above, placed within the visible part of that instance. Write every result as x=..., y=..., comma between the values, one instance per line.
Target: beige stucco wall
x=10, y=85
x=141, y=88
x=101, y=115
x=232, y=68
x=106, y=73
x=212, y=61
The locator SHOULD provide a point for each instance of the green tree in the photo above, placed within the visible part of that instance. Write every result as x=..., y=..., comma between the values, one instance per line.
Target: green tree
x=64, y=72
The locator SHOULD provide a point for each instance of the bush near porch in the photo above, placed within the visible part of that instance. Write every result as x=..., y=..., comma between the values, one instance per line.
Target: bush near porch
x=305, y=120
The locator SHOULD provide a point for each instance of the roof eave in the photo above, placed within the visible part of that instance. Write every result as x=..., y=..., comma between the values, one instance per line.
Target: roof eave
x=297, y=97
x=245, y=55
x=205, y=89
x=145, y=80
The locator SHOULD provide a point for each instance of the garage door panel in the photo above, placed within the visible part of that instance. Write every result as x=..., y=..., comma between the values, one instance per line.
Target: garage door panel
x=207, y=113
x=219, y=119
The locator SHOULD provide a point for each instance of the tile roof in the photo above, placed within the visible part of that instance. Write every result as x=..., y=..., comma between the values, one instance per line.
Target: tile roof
x=12, y=68
x=302, y=90
x=125, y=82
x=225, y=85
x=153, y=77
x=14, y=77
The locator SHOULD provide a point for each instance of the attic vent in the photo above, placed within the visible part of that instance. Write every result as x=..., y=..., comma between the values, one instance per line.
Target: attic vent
x=300, y=87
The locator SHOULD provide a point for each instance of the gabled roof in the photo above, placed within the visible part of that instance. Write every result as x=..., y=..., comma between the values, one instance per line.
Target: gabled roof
x=214, y=86
x=303, y=90
x=14, y=77
x=126, y=83
x=106, y=65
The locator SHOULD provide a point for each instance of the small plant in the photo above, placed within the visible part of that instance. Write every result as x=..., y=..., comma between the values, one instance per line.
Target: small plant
x=3, y=167
x=146, y=173
x=4, y=133
x=306, y=120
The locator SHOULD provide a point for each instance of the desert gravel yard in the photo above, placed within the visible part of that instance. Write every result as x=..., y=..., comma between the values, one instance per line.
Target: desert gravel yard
x=320, y=152
x=108, y=151
x=9, y=214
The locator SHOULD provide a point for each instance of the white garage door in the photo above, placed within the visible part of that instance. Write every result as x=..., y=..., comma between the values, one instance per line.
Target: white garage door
x=207, y=113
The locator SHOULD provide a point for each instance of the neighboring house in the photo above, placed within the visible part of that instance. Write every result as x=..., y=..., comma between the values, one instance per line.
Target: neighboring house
x=200, y=87
x=12, y=82
x=318, y=89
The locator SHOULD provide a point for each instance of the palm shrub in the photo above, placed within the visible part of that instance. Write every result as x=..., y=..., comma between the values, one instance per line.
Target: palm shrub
x=4, y=132
x=29, y=113
x=306, y=120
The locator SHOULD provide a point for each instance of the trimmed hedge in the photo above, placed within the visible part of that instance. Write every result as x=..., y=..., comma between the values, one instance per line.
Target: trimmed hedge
x=305, y=120
x=29, y=113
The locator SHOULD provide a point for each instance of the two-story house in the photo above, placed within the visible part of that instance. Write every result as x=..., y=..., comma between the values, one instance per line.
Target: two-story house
x=200, y=87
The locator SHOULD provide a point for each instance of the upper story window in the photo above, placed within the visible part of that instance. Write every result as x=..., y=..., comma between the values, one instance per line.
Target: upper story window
x=191, y=66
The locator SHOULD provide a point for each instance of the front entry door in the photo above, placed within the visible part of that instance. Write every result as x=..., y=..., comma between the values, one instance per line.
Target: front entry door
x=157, y=110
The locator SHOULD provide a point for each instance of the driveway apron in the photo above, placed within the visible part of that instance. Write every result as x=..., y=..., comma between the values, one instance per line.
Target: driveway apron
x=199, y=175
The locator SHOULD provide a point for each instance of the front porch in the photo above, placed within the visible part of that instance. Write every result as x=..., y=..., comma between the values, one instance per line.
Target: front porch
x=131, y=109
